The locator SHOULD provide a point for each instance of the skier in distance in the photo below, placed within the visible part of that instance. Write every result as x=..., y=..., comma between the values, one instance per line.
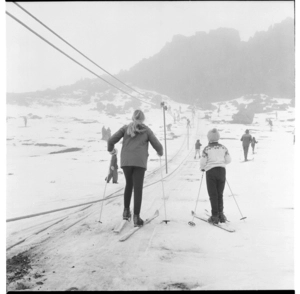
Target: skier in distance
x=197, y=148
x=253, y=142
x=113, y=169
x=214, y=159
x=246, y=139
x=134, y=155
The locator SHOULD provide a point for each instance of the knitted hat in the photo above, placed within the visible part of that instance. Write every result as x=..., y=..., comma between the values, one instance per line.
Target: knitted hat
x=213, y=135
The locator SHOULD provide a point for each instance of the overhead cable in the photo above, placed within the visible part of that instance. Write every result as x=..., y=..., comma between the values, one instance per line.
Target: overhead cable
x=78, y=50
x=13, y=17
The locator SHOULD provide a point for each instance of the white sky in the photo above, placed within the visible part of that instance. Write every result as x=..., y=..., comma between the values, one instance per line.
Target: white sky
x=116, y=35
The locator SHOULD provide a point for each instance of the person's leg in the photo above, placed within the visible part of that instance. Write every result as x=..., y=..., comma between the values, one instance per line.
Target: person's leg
x=109, y=176
x=246, y=152
x=211, y=183
x=115, y=176
x=221, y=180
x=138, y=182
x=128, y=170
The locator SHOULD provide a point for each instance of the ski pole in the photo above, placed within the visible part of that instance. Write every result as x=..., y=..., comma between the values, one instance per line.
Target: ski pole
x=106, y=181
x=191, y=223
x=243, y=217
x=162, y=183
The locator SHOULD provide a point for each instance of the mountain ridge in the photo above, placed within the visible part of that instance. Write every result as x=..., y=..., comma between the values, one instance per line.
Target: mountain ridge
x=207, y=67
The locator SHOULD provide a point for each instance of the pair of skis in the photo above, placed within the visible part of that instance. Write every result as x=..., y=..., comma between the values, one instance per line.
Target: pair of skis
x=223, y=226
x=122, y=224
x=125, y=236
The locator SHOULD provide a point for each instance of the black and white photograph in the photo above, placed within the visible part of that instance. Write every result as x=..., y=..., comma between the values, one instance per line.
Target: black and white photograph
x=149, y=145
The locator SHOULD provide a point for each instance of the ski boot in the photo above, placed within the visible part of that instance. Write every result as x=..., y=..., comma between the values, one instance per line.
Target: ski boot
x=222, y=217
x=127, y=214
x=213, y=220
x=138, y=222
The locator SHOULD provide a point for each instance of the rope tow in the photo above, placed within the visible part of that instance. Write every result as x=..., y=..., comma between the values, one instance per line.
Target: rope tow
x=20, y=22
x=78, y=50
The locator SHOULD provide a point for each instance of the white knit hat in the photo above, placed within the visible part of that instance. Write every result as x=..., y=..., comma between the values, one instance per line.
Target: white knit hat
x=213, y=135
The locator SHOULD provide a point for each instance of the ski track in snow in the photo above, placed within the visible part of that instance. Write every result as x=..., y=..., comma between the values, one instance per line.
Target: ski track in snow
x=80, y=252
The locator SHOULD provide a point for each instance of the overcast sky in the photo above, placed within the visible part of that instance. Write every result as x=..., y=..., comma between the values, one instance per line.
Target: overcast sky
x=116, y=35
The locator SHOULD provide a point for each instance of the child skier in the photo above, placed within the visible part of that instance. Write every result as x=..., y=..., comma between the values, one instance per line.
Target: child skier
x=197, y=148
x=113, y=168
x=214, y=159
x=253, y=142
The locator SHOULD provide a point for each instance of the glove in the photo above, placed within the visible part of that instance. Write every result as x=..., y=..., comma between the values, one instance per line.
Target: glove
x=112, y=152
x=112, y=168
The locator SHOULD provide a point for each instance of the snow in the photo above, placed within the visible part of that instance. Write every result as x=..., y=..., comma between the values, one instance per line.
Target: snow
x=83, y=253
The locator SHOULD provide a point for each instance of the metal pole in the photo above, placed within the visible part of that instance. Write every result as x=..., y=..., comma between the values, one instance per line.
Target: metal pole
x=164, y=108
x=188, y=137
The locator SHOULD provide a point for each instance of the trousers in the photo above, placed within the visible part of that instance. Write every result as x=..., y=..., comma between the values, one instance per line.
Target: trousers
x=215, y=182
x=134, y=177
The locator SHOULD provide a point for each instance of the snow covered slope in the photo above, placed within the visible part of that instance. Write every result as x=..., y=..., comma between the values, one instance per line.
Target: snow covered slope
x=71, y=248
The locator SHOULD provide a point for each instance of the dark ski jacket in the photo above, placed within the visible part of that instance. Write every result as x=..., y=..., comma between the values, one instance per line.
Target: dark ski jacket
x=253, y=142
x=198, y=145
x=246, y=139
x=135, y=149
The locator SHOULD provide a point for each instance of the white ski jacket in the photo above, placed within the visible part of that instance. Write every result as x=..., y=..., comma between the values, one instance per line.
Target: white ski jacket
x=214, y=155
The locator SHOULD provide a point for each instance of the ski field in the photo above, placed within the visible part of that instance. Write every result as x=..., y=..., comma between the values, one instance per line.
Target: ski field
x=71, y=249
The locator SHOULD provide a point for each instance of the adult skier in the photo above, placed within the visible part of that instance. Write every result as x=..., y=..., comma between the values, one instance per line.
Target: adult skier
x=214, y=159
x=246, y=139
x=134, y=155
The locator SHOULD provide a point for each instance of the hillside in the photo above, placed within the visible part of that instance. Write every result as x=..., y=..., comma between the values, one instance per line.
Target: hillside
x=219, y=66
x=203, y=68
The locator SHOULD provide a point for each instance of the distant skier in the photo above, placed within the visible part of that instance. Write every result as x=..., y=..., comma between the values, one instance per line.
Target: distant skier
x=197, y=148
x=246, y=139
x=108, y=133
x=25, y=121
x=253, y=142
x=294, y=136
x=214, y=159
x=174, y=117
x=188, y=123
x=103, y=133
x=134, y=155
x=113, y=168
x=270, y=124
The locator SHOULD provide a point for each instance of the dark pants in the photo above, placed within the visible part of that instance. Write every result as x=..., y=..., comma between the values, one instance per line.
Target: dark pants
x=114, y=175
x=215, y=182
x=246, y=147
x=134, y=176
